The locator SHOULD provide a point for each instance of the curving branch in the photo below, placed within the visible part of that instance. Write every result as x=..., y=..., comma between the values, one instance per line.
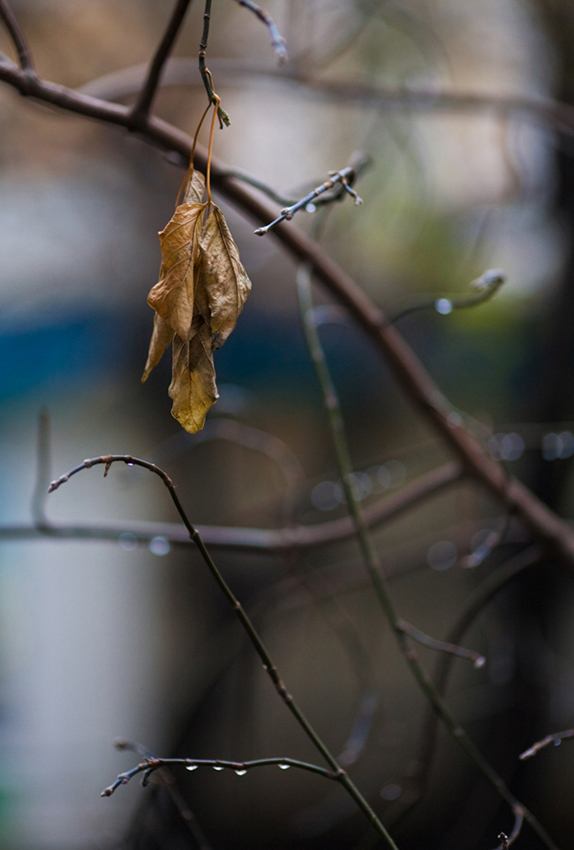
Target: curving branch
x=143, y=104
x=507, y=840
x=151, y=764
x=264, y=540
x=18, y=38
x=248, y=627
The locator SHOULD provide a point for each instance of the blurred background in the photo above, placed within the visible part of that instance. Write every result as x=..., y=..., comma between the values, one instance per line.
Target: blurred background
x=119, y=637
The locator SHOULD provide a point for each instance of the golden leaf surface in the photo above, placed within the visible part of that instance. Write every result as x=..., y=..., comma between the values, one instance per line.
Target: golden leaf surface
x=222, y=275
x=201, y=290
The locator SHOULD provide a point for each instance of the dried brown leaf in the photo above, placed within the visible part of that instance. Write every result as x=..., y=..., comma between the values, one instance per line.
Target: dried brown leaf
x=222, y=275
x=172, y=296
x=195, y=187
x=192, y=387
x=201, y=290
x=161, y=337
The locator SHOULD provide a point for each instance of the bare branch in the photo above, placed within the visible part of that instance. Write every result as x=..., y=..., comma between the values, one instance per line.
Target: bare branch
x=143, y=104
x=485, y=287
x=371, y=561
x=254, y=539
x=440, y=645
x=556, y=738
x=277, y=40
x=152, y=764
x=17, y=36
x=252, y=634
x=180, y=71
x=345, y=178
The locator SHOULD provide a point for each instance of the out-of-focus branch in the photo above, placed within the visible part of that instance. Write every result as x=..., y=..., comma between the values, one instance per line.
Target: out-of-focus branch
x=553, y=534
x=145, y=99
x=43, y=472
x=440, y=645
x=179, y=71
x=556, y=738
x=252, y=539
x=9, y=20
x=277, y=40
x=371, y=561
x=251, y=632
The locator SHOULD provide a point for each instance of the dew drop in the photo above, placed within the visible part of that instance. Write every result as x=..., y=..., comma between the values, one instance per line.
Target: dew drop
x=192, y=766
x=130, y=463
x=311, y=208
x=241, y=772
x=557, y=742
x=217, y=767
x=480, y=662
x=284, y=766
x=443, y=306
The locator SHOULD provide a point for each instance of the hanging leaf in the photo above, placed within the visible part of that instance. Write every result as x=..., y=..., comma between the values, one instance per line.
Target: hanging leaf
x=222, y=275
x=201, y=290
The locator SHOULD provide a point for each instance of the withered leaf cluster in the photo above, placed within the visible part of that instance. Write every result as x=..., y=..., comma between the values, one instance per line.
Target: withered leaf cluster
x=201, y=291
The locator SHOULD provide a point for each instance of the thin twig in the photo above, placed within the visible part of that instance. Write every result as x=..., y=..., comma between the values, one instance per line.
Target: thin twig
x=345, y=178
x=475, y=604
x=556, y=738
x=206, y=73
x=379, y=582
x=277, y=40
x=143, y=104
x=485, y=286
x=170, y=784
x=256, y=641
x=440, y=645
x=9, y=20
x=152, y=764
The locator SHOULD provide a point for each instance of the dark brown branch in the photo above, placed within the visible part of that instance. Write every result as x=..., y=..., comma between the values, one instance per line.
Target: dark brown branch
x=552, y=533
x=253, y=539
x=17, y=36
x=556, y=738
x=145, y=99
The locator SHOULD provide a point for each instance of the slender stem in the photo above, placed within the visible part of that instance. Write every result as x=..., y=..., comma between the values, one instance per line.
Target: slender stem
x=555, y=738
x=152, y=764
x=277, y=40
x=335, y=419
x=204, y=70
x=440, y=645
x=146, y=96
x=249, y=628
x=9, y=20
